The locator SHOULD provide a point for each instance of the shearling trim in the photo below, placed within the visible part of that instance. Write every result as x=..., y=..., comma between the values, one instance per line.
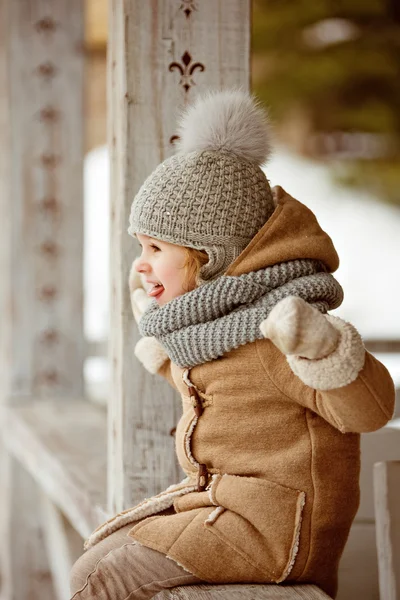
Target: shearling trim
x=211, y=490
x=148, y=507
x=151, y=354
x=213, y=516
x=179, y=564
x=188, y=442
x=186, y=379
x=295, y=547
x=338, y=369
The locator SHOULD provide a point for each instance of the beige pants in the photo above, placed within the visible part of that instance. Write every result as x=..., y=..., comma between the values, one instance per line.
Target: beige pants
x=117, y=568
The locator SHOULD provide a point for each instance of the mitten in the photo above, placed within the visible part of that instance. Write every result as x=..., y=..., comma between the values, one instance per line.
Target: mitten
x=325, y=352
x=147, y=350
x=297, y=328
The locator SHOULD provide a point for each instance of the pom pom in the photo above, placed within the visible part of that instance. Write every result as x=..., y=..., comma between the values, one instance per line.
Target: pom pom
x=228, y=121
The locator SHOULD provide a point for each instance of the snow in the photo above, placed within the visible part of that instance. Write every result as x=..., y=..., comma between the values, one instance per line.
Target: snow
x=366, y=234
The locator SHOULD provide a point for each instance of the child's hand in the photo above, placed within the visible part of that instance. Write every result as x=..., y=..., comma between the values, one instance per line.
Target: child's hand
x=137, y=288
x=297, y=328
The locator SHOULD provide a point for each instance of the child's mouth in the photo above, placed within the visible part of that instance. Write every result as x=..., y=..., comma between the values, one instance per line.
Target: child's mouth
x=156, y=290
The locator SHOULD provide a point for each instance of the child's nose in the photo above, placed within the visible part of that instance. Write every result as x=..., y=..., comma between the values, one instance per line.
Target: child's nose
x=140, y=266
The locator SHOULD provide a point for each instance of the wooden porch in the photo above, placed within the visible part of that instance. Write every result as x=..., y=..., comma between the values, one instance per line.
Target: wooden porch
x=66, y=464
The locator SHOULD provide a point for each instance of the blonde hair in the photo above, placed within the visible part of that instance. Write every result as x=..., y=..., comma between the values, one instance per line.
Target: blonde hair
x=195, y=259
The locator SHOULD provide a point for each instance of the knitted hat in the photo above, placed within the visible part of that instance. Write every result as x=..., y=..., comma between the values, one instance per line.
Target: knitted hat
x=212, y=195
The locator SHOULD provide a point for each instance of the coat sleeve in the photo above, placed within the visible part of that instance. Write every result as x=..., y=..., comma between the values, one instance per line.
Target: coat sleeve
x=356, y=398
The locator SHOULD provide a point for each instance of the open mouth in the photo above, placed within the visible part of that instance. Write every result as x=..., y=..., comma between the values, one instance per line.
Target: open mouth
x=156, y=290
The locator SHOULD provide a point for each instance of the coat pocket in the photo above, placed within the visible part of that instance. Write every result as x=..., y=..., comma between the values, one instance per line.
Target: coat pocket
x=260, y=519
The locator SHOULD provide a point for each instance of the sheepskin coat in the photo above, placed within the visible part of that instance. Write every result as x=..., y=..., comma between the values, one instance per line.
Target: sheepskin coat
x=272, y=463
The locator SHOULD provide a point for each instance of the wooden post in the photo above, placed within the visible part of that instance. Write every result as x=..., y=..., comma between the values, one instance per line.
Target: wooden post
x=41, y=332
x=41, y=146
x=387, y=518
x=162, y=53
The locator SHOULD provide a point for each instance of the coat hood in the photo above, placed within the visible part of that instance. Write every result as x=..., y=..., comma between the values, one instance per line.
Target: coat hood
x=292, y=232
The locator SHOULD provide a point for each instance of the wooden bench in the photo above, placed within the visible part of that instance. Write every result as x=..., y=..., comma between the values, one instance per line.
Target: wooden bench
x=62, y=446
x=243, y=592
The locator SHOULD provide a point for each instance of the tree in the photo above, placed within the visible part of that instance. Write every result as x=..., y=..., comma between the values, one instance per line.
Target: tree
x=330, y=73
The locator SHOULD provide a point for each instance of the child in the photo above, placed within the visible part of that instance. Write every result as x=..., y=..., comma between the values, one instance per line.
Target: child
x=275, y=392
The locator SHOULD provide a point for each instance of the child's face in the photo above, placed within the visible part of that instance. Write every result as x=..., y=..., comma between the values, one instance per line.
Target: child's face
x=164, y=264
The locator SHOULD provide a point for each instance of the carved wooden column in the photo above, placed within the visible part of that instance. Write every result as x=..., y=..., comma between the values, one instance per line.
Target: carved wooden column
x=162, y=53
x=41, y=178
x=41, y=332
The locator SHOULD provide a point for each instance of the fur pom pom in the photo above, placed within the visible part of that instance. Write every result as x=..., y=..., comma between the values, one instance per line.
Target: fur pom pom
x=228, y=121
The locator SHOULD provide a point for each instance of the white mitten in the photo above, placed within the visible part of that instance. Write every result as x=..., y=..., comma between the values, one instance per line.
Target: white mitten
x=148, y=350
x=137, y=288
x=325, y=352
x=297, y=328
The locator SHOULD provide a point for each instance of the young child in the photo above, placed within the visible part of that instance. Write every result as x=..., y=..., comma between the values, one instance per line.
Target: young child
x=275, y=391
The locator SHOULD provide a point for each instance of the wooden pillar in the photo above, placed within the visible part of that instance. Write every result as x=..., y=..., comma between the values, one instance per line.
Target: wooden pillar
x=162, y=53
x=41, y=155
x=41, y=333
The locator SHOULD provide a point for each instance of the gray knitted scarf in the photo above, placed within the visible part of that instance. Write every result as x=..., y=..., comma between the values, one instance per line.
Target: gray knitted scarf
x=219, y=316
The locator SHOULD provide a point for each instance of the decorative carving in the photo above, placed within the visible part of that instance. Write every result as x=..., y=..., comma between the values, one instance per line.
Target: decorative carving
x=186, y=69
x=188, y=6
x=47, y=70
x=49, y=161
x=48, y=377
x=50, y=336
x=48, y=293
x=48, y=114
x=46, y=25
x=50, y=205
x=50, y=248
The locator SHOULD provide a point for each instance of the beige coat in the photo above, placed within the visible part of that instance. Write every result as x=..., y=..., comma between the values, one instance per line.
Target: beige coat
x=272, y=464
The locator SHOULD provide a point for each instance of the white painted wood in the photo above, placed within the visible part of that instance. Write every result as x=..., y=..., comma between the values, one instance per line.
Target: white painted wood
x=62, y=445
x=358, y=567
x=387, y=507
x=58, y=551
x=378, y=446
x=159, y=58
x=28, y=575
x=41, y=156
x=243, y=592
x=41, y=334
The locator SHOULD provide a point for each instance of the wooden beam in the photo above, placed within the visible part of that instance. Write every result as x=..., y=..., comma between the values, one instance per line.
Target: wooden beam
x=161, y=55
x=62, y=446
x=387, y=518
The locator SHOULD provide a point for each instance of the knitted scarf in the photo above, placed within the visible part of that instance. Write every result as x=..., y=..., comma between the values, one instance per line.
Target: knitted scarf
x=219, y=316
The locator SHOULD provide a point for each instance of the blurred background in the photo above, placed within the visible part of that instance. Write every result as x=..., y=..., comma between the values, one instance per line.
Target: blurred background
x=329, y=73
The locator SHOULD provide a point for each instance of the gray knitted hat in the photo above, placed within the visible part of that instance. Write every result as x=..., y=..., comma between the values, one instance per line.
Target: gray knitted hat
x=212, y=195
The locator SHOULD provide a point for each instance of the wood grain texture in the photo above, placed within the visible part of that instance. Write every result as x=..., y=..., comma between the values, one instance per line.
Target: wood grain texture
x=41, y=176
x=243, y=592
x=27, y=574
x=159, y=60
x=58, y=552
x=387, y=518
x=62, y=445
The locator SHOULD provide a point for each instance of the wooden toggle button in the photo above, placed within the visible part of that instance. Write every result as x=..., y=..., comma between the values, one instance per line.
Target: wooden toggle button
x=202, y=478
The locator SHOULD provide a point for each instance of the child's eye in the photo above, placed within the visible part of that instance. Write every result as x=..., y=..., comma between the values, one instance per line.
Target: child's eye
x=154, y=247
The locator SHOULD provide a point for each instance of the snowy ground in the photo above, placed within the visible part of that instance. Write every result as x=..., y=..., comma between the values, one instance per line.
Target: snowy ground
x=365, y=232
